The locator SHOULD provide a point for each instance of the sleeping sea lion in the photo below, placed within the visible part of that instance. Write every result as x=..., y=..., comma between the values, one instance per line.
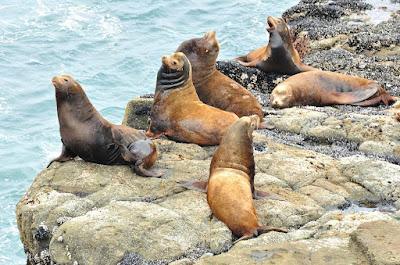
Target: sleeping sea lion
x=85, y=133
x=323, y=88
x=230, y=187
x=279, y=56
x=213, y=87
x=177, y=111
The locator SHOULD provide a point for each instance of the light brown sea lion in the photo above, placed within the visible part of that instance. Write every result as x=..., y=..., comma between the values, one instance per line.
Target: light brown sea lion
x=177, y=111
x=230, y=187
x=279, y=56
x=322, y=88
x=213, y=87
x=85, y=133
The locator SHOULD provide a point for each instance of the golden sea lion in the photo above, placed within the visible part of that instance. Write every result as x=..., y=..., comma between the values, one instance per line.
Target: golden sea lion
x=177, y=111
x=279, y=56
x=230, y=187
x=213, y=87
x=85, y=133
x=323, y=88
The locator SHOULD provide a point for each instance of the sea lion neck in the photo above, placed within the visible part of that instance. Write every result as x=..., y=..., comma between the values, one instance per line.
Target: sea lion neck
x=238, y=142
x=78, y=105
x=168, y=79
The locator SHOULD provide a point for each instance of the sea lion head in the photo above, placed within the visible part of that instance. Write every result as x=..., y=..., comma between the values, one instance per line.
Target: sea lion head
x=66, y=86
x=202, y=51
x=278, y=31
x=282, y=96
x=175, y=71
x=246, y=125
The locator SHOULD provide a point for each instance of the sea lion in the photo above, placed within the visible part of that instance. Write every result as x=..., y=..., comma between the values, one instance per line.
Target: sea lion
x=213, y=87
x=323, y=88
x=177, y=111
x=85, y=133
x=230, y=187
x=279, y=56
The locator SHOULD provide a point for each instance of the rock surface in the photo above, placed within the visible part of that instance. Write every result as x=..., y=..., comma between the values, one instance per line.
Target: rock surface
x=334, y=173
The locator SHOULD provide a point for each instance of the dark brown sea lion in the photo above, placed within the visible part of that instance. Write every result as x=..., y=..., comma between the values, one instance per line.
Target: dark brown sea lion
x=85, y=133
x=279, y=56
x=322, y=88
x=177, y=111
x=212, y=87
x=230, y=187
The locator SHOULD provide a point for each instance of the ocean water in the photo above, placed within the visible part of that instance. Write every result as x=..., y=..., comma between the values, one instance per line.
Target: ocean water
x=113, y=48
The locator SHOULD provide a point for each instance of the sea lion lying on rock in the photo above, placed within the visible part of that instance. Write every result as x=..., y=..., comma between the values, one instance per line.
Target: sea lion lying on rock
x=323, y=88
x=213, y=87
x=279, y=56
x=230, y=187
x=85, y=133
x=177, y=111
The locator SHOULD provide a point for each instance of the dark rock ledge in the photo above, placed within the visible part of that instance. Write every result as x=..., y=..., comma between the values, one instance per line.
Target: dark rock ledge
x=335, y=169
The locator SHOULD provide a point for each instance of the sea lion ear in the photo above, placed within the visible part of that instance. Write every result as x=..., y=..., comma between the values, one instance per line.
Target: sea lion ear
x=285, y=20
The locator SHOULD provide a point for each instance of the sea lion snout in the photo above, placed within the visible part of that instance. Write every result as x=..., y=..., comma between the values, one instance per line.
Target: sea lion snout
x=271, y=23
x=174, y=61
x=60, y=81
x=280, y=96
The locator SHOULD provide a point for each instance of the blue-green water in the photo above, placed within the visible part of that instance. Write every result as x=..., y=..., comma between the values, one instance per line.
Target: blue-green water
x=113, y=47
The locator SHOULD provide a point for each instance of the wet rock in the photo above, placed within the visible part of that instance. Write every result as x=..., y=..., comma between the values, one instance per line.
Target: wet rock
x=137, y=112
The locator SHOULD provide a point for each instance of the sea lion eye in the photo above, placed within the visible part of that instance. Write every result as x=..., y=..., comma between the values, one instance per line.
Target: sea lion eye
x=174, y=62
x=65, y=79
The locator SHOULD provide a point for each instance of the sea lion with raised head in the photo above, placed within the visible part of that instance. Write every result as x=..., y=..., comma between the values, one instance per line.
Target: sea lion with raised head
x=213, y=87
x=177, y=111
x=85, y=133
x=323, y=88
x=230, y=187
x=279, y=56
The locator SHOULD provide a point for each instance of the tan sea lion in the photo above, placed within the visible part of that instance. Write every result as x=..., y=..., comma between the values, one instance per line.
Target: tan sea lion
x=279, y=56
x=323, y=88
x=230, y=187
x=213, y=87
x=177, y=111
x=85, y=133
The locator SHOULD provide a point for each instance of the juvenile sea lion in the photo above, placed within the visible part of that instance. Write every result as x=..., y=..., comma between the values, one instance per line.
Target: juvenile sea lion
x=85, y=133
x=177, y=111
x=322, y=88
x=230, y=187
x=279, y=55
x=213, y=87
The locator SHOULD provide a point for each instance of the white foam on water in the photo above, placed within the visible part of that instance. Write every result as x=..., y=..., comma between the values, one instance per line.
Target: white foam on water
x=77, y=17
x=110, y=26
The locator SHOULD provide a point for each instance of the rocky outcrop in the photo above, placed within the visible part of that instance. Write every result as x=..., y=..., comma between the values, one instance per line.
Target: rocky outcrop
x=333, y=173
x=84, y=213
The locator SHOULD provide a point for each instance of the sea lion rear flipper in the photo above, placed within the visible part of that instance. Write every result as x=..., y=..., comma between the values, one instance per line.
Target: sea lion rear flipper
x=258, y=194
x=353, y=97
x=141, y=171
x=249, y=64
x=194, y=185
x=244, y=237
x=66, y=155
x=385, y=98
x=265, y=229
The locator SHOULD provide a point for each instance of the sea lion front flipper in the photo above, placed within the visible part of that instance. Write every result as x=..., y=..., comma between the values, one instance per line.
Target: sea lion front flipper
x=194, y=185
x=353, y=97
x=249, y=64
x=66, y=155
x=258, y=195
x=265, y=125
x=141, y=171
